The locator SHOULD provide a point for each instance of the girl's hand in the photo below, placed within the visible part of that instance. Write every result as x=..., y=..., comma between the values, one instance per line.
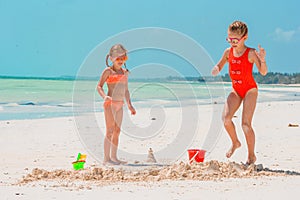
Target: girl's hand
x=215, y=71
x=261, y=54
x=107, y=98
x=132, y=110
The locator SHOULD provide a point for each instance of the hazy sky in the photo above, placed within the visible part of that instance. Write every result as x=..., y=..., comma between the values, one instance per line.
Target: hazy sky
x=53, y=37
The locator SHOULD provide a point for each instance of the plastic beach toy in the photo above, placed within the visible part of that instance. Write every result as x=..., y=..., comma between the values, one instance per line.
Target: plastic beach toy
x=196, y=155
x=81, y=157
x=79, y=163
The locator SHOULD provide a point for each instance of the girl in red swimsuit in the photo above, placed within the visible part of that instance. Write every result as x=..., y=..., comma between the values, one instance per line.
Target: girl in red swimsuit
x=241, y=59
x=116, y=79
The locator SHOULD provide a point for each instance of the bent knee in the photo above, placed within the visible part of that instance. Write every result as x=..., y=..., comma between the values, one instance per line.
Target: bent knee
x=246, y=127
x=227, y=121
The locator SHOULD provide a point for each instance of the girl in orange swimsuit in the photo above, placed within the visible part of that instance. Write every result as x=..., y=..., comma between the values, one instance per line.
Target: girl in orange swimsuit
x=241, y=59
x=116, y=79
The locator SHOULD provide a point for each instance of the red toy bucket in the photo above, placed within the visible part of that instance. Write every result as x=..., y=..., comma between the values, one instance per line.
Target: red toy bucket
x=196, y=154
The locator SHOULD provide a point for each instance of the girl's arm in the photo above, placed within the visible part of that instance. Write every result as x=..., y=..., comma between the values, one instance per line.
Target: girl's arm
x=219, y=66
x=102, y=80
x=259, y=59
x=128, y=100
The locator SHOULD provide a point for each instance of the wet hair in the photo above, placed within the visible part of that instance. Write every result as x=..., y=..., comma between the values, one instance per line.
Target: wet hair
x=238, y=27
x=115, y=51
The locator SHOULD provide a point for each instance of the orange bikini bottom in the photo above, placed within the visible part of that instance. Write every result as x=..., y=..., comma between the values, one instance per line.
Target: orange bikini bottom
x=115, y=105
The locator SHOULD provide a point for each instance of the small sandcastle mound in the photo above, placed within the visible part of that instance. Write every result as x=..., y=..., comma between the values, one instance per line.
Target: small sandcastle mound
x=151, y=158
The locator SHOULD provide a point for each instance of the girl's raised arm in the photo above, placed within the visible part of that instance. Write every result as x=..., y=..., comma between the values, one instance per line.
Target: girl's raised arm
x=259, y=59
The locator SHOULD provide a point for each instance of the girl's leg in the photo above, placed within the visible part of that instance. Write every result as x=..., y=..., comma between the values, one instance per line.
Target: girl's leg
x=249, y=105
x=232, y=104
x=110, y=123
x=116, y=133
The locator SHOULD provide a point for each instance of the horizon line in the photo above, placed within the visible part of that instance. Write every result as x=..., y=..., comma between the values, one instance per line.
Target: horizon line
x=71, y=78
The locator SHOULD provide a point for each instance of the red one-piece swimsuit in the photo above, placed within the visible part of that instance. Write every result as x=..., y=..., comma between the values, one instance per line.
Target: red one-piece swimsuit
x=240, y=71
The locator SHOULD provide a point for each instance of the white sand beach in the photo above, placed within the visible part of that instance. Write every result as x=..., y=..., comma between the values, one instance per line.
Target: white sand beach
x=52, y=144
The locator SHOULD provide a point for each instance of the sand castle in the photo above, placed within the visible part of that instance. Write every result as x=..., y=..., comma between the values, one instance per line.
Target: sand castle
x=151, y=158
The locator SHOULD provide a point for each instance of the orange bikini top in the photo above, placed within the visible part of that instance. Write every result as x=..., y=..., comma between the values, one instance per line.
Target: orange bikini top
x=117, y=78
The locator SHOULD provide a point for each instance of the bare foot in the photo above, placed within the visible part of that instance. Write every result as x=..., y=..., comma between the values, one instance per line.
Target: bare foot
x=251, y=160
x=232, y=149
x=110, y=162
x=120, y=162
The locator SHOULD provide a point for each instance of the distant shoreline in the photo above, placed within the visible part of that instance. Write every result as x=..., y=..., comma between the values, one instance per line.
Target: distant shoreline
x=289, y=79
x=71, y=78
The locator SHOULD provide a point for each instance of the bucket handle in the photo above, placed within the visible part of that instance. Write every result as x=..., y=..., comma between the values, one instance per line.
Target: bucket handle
x=194, y=157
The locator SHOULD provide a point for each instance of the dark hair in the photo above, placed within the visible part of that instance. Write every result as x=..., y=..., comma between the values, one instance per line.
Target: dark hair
x=238, y=27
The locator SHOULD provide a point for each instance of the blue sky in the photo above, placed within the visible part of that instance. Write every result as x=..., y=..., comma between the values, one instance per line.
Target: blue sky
x=53, y=37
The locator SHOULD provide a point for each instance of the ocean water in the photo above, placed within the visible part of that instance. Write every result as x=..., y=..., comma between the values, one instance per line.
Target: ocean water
x=41, y=98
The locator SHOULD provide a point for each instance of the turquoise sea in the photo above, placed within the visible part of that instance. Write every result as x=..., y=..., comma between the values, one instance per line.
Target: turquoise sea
x=25, y=98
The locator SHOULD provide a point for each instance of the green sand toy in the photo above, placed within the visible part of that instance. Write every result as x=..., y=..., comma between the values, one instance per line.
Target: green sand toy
x=79, y=163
